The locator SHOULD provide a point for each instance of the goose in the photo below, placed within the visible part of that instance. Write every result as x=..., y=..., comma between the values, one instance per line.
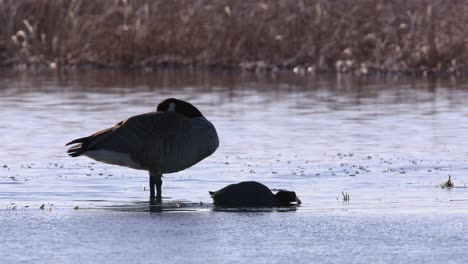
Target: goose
x=252, y=194
x=174, y=137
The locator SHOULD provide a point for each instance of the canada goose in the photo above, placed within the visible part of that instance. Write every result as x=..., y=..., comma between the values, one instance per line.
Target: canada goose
x=252, y=194
x=173, y=138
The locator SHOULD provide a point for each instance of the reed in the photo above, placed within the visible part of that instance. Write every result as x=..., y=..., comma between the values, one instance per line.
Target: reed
x=447, y=184
x=316, y=35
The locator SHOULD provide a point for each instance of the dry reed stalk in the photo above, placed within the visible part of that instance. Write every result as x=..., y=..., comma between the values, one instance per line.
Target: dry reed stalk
x=346, y=36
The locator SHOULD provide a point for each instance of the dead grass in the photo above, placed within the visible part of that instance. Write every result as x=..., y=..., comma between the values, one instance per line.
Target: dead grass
x=316, y=35
x=447, y=184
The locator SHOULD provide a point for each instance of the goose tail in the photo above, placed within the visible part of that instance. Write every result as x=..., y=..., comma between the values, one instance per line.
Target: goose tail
x=77, y=150
x=78, y=140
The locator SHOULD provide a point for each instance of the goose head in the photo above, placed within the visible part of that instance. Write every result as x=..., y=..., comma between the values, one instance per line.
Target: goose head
x=286, y=197
x=180, y=107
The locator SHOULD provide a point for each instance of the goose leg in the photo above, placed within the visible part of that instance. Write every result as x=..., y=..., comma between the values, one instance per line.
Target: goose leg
x=158, y=188
x=155, y=179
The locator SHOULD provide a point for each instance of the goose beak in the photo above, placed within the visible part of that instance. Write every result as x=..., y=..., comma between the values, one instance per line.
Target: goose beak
x=298, y=201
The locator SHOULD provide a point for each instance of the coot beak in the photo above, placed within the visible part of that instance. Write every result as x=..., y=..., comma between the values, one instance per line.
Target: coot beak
x=298, y=201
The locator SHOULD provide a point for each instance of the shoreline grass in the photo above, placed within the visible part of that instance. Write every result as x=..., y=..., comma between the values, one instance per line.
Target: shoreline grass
x=360, y=37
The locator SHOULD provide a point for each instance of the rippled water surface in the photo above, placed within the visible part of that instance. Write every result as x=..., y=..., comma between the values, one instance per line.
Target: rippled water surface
x=387, y=142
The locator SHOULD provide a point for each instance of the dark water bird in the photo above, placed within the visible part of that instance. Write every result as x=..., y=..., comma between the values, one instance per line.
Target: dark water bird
x=252, y=194
x=171, y=139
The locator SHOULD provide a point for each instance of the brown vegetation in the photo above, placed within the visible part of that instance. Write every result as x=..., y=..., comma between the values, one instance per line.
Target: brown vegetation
x=316, y=35
x=448, y=183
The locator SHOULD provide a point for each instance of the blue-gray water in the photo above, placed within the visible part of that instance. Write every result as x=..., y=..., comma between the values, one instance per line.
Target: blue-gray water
x=388, y=142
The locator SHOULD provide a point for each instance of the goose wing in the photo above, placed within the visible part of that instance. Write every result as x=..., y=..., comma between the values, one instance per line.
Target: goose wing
x=141, y=136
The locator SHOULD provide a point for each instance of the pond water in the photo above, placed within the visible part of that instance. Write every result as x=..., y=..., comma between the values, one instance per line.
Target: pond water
x=387, y=142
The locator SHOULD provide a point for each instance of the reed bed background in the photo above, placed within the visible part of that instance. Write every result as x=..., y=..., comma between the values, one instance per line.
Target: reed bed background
x=306, y=35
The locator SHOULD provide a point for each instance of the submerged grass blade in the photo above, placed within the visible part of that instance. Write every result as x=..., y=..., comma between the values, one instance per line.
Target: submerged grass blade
x=448, y=183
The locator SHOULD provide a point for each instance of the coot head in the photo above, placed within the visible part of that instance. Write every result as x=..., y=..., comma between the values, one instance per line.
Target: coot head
x=286, y=197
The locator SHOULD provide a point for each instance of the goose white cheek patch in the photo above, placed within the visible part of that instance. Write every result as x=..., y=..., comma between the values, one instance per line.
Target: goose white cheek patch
x=171, y=107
